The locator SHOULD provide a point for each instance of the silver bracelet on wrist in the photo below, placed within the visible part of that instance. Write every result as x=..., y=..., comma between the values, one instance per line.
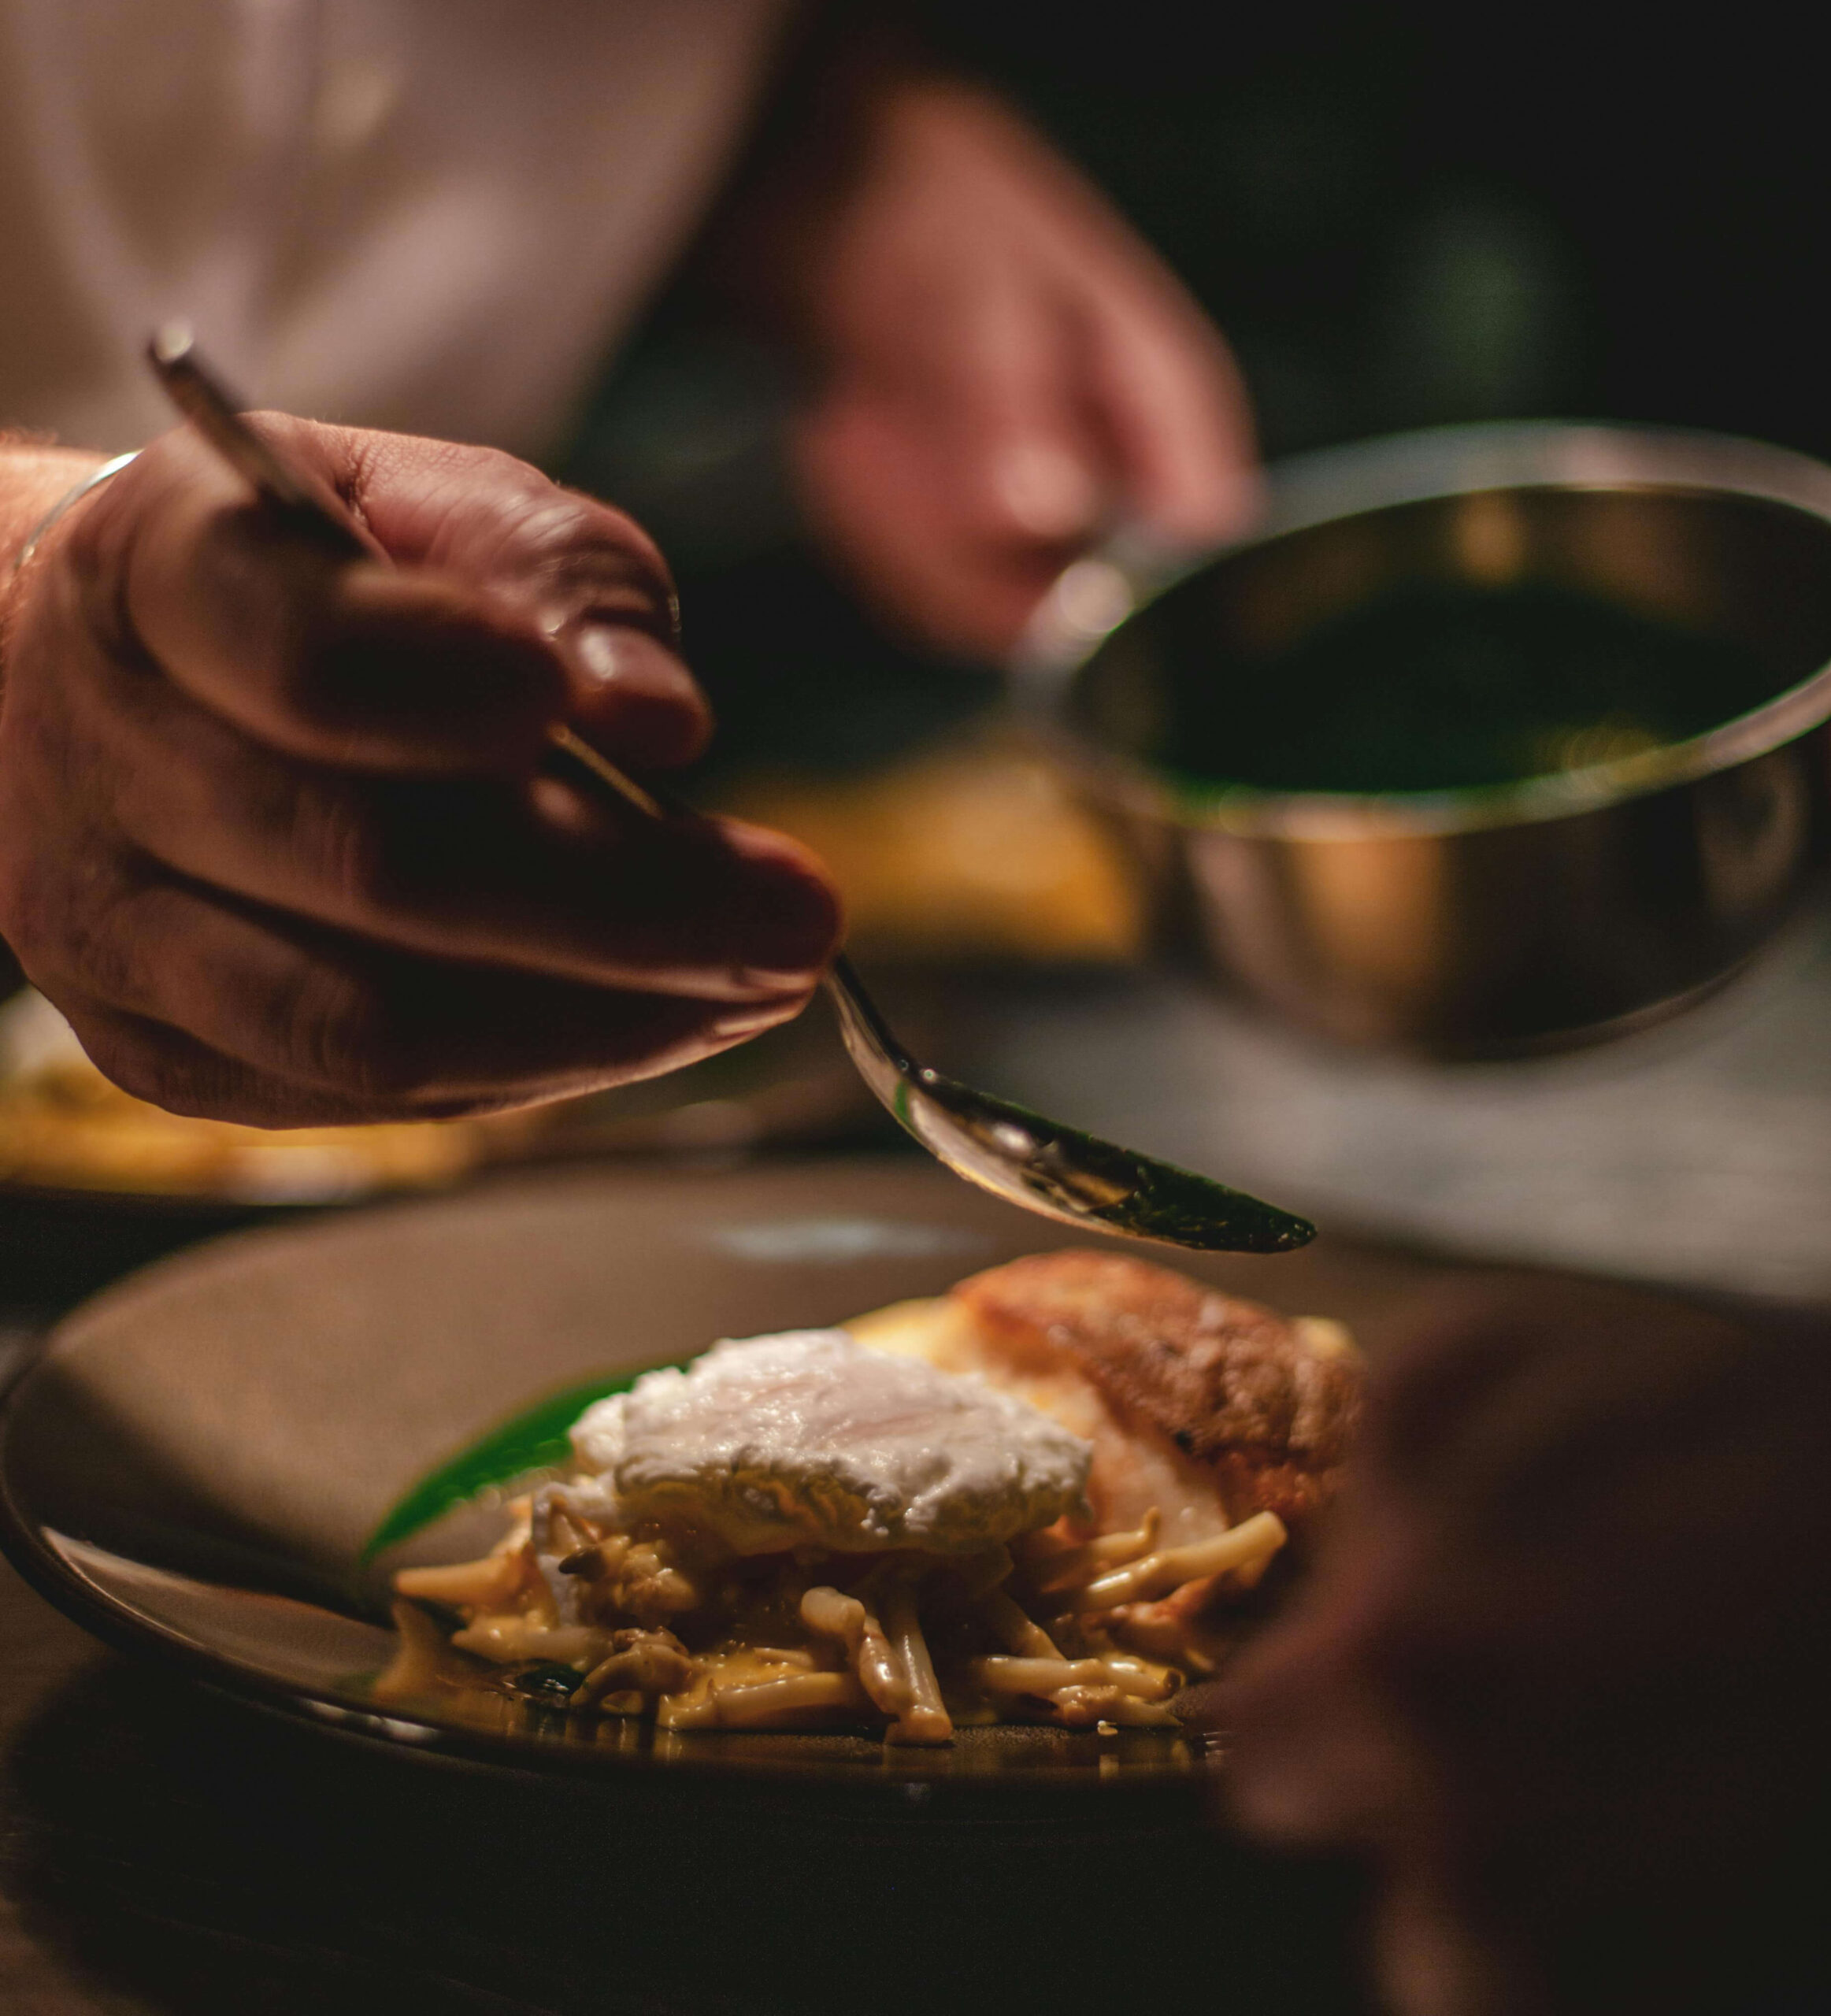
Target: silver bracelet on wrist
x=75, y=495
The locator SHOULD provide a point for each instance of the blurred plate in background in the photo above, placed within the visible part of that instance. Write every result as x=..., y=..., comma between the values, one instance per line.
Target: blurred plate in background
x=63, y=1126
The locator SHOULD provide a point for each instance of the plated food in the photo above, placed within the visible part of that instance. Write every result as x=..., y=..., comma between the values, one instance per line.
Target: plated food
x=1048, y=1495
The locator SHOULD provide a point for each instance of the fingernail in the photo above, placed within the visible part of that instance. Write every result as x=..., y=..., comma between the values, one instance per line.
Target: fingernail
x=594, y=649
x=751, y=1021
x=634, y=662
x=639, y=690
x=776, y=980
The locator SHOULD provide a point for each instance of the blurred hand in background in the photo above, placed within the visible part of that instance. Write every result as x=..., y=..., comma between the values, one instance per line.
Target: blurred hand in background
x=1560, y=1674
x=274, y=839
x=1006, y=372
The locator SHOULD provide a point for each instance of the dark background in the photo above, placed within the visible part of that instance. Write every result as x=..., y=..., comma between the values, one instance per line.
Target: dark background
x=1405, y=215
x=1400, y=216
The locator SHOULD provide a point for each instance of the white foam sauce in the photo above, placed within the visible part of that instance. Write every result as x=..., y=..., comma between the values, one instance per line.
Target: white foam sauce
x=808, y=1434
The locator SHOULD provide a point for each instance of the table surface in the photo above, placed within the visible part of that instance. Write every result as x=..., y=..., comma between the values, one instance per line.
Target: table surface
x=1696, y=1152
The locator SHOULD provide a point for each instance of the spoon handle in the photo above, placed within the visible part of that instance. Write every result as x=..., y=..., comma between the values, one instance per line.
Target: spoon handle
x=312, y=505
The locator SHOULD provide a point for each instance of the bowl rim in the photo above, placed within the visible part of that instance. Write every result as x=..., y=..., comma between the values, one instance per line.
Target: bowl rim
x=1385, y=473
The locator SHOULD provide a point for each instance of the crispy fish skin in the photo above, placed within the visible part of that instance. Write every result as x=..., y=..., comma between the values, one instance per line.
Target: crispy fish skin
x=1240, y=1390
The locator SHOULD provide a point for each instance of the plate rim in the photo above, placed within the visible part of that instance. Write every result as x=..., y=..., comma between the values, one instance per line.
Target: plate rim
x=122, y=1631
x=24, y=1542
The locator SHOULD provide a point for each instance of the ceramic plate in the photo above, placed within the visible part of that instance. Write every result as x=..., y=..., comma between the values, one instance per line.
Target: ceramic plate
x=192, y=1466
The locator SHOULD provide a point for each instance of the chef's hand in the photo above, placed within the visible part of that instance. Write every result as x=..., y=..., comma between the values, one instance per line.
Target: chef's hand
x=271, y=831
x=1559, y=1674
x=1006, y=372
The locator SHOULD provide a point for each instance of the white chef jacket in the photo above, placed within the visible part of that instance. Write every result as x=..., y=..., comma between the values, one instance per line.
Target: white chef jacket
x=431, y=215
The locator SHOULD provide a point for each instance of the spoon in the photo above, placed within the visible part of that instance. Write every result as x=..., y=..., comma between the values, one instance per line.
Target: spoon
x=1056, y=1171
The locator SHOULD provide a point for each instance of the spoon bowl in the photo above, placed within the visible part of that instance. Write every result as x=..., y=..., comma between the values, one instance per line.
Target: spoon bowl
x=1058, y=1171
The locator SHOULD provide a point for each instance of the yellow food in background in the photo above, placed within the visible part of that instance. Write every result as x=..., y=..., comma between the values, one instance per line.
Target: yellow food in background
x=972, y=851
x=63, y=1126
x=976, y=850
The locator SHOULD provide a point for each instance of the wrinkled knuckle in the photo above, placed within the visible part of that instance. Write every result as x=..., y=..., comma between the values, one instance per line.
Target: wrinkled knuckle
x=593, y=552
x=344, y=854
x=567, y=522
x=312, y=1028
x=333, y=1031
x=499, y=493
x=56, y=934
x=505, y=472
x=345, y=1034
x=559, y=529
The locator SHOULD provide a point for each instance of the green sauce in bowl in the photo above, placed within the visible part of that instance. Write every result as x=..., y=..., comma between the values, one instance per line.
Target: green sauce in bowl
x=1440, y=686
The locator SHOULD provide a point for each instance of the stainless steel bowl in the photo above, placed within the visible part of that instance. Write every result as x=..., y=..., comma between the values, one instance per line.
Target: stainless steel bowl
x=1508, y=916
